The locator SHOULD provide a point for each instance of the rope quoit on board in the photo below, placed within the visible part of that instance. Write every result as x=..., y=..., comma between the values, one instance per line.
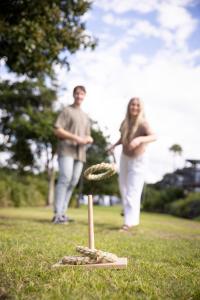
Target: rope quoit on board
x=108, y=171
x=90, y=255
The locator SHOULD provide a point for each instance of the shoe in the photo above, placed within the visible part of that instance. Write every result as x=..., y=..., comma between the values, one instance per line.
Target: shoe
x=125, y=228
x=66, y=219
x=58, y=220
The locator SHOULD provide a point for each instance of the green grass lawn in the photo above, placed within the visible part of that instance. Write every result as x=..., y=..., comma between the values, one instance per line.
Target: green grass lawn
x=163, y=256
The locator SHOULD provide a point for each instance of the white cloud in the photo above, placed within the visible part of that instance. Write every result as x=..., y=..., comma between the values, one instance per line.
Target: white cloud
x=117, y=6
x=184, y=3
x=116, y=21
x=142, y=6
x=87, y=16
x=178, y=20
x=168, y=86
x=138, y=59
x=175, y=22
x=11, y=76
x=173, y=17
x=144, y=27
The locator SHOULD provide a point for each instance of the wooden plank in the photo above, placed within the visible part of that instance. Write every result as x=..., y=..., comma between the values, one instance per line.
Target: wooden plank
x=120, y=264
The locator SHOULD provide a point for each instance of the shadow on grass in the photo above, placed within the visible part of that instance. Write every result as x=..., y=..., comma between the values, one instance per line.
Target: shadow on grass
x=23, y=218
x=103, y=226
x=98, y=225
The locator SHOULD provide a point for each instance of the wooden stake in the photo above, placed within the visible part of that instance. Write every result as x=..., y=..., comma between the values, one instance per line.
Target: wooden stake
x=90, y=222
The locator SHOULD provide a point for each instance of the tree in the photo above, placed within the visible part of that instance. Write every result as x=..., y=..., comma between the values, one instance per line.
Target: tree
x=26, y=120
x=176, y=150
x=36, y=35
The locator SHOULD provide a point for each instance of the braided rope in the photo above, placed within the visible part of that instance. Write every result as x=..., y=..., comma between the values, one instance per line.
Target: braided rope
x=98, y=256
x=89, y=256
x=77, y=260
x=110, y=169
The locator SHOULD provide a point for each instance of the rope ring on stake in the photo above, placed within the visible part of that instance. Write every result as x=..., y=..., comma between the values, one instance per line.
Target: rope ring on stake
x=109, y=170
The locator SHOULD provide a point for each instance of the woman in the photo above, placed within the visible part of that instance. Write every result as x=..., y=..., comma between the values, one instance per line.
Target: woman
x=135, y=135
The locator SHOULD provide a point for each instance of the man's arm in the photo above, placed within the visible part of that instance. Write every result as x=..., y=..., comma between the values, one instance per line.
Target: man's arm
x=64, y=134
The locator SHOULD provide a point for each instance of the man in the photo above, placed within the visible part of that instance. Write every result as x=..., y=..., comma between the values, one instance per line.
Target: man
x=72, y=128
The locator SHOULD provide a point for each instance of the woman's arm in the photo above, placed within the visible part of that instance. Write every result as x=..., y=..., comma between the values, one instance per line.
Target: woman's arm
x=111, y=148
x=142, y=140
x=148, y=138
x=118, y=142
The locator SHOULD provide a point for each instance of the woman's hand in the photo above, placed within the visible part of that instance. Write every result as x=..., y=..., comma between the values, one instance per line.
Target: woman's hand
x=110, y=149
x=135, y=143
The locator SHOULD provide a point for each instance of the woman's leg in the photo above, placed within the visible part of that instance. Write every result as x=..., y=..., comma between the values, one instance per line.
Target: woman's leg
x=135, y=183
x=123, y=172
x=65, y=176
x=76, y=173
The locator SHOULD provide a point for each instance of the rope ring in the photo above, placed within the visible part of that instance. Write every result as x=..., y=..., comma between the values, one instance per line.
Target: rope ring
x=110, y=169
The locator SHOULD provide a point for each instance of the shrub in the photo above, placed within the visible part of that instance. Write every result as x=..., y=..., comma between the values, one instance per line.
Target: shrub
x=4, y=194
x=151, y=200
x=188, y=207
x=27, y=190
x=159, y=200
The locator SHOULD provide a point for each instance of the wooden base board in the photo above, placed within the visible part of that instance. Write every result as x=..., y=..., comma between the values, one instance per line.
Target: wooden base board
x=120, y=264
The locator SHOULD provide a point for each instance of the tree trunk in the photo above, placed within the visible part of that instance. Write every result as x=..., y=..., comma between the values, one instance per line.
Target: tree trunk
x=51, y=187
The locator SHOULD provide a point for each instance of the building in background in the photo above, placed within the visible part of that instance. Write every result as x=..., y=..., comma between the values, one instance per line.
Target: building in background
x=187, y=178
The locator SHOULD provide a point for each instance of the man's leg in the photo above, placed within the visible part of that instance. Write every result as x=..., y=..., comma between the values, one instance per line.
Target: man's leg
x=76, y=173
x=65, y=176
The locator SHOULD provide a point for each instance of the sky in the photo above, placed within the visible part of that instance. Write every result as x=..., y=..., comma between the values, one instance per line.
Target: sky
x=149, y=49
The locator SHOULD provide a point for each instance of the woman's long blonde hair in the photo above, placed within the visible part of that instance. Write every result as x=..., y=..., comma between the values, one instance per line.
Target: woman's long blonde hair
x=130, y=124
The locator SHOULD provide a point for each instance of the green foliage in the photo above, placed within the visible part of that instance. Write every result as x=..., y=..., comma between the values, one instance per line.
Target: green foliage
x=159, y=200
x=172, y=201
x=186, y=208
x=34, y=35
x=27, y=118
x=5, y=197
x=151, y=200
x=22, y=190
x=176, y=149
x=97, y=151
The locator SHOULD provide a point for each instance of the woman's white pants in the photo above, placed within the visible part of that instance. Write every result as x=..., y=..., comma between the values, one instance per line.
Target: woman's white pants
x=131, y=182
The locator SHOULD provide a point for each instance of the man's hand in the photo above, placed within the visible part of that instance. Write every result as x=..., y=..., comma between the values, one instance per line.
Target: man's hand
x=84, y=140
x=80, y=141
x=66, y=135
x=89, y=139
